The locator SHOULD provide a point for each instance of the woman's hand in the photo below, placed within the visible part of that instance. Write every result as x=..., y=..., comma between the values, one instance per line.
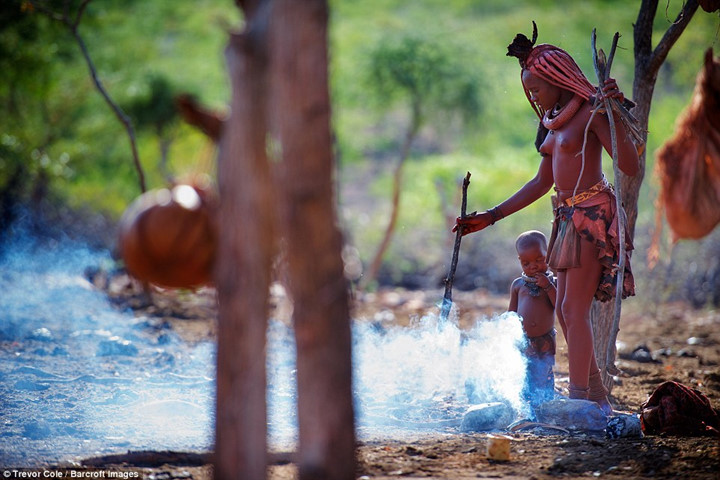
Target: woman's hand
x=611, y=90
x=473, y=222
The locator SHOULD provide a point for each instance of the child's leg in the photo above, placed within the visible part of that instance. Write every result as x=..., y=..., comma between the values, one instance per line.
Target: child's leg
x=580, y=286
x=546, y=379
x=540, y=380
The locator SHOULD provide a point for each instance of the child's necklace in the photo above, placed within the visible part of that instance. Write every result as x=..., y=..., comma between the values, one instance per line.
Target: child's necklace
x=531, y=284
x=557, y=117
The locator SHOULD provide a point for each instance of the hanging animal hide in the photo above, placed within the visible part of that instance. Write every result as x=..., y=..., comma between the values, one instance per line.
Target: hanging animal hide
x=709, y=5
x=688, y=164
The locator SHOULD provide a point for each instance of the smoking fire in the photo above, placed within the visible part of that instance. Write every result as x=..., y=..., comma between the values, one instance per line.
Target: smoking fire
x=81, y=378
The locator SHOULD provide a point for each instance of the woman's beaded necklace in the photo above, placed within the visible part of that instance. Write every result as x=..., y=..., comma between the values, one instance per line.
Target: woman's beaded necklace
x=558, y=116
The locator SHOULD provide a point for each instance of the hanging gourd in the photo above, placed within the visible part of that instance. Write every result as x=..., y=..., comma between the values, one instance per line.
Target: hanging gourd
x=168, y=237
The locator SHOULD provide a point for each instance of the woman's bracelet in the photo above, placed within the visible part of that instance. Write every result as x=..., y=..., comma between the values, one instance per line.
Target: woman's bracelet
x=496, y=214
x=548, y=287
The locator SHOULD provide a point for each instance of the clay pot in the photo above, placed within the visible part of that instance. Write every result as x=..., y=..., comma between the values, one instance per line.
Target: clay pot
x=168, y=237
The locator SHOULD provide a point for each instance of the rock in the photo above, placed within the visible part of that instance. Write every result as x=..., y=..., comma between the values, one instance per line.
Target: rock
x=486, y=416
x=642, y=354
x=572, y=414
x=623, y=426
x=42, y=334
x=686, y=352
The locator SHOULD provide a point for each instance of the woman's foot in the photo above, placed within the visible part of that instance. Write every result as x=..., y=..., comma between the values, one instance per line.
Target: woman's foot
x=598, y=393
x=577, y=393
x=606, y=406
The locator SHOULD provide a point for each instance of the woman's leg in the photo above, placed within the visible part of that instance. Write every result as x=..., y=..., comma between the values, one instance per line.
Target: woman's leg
x=579, y=290
x=559, y=296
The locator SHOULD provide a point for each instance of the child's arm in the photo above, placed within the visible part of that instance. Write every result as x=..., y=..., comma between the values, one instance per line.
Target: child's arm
x=551, y=293
x=514, y=296
x=548, y=286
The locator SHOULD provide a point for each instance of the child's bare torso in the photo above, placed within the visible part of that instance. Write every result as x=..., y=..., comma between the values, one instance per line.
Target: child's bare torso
x=537, y=312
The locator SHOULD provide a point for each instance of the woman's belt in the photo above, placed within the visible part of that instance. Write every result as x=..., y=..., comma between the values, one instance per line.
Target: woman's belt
x=587, y=194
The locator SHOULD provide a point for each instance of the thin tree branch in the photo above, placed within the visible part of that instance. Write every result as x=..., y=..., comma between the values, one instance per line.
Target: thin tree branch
x=81, y=11
x=119, y=113
x=672, y=34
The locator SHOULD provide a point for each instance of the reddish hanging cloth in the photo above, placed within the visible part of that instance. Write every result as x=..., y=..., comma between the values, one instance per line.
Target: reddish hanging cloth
x=676, y=409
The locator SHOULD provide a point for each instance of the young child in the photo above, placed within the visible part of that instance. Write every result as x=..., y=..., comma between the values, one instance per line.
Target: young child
x=532, y=296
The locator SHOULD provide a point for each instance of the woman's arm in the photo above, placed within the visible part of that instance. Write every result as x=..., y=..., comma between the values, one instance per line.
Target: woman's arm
x=628, y=160
x=531, y=191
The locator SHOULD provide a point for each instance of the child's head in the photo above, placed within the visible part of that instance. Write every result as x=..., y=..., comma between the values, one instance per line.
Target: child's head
x=531, y=247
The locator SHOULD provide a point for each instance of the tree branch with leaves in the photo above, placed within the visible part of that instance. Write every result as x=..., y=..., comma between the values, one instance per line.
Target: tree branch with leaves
x=72, y=22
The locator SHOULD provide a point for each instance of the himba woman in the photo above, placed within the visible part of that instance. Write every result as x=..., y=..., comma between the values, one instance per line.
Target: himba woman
x=584, y=249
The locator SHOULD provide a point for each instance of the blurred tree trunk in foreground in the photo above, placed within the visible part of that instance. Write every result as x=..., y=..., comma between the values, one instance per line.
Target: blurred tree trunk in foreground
x=281, y=107
x=647, y=65
x=243, y=272
x=301, y=119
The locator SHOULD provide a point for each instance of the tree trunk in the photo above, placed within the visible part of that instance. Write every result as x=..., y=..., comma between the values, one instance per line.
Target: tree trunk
x=246, y=249
x=647, y=65
x=301, y=119
x=410, y=135
x=372, y=271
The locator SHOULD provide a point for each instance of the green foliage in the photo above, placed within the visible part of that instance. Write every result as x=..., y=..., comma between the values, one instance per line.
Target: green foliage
x=31, y=59
x=57, y=124
x=155, y=108
x=56, y=128
x=424, y=74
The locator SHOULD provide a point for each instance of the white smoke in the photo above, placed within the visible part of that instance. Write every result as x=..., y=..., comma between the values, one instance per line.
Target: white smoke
x=79, y=377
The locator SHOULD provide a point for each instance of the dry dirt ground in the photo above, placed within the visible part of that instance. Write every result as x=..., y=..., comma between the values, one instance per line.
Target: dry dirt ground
x=684, y=346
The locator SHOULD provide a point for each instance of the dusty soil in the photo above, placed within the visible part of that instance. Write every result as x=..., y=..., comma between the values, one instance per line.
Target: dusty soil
x=684, y=346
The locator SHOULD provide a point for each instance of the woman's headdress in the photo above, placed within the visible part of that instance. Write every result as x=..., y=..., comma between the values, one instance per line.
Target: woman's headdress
x=552, y=64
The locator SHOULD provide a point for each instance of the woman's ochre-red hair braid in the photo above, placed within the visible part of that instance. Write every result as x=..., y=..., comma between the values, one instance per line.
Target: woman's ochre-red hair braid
x=552, y=64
